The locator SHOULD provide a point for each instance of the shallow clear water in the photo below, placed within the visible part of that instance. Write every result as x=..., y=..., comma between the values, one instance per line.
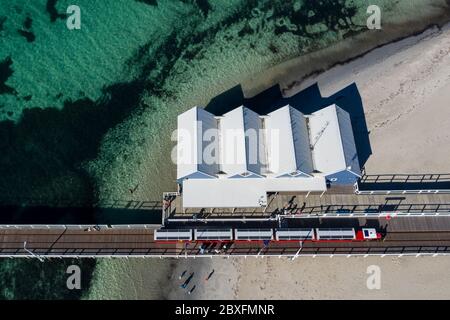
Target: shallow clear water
x=88, y=114
x=32, y=279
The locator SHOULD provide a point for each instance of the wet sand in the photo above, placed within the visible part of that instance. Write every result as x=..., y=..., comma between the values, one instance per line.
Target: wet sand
x=405, y=87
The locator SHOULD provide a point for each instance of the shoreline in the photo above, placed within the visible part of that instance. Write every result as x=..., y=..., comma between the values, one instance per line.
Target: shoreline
x=233, y=276
x=292, y=73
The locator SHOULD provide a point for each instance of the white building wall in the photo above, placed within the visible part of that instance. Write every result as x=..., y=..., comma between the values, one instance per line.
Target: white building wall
x=208, y=140
x=254, y=142
x=348, y=141
x=192, y=125
x=232, y=143
x=241, y=146
x=300, y=137
x=288, y=143
x=331, y=135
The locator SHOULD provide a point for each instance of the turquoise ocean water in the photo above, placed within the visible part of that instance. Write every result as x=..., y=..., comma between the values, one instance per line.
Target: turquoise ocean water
x=88, y=114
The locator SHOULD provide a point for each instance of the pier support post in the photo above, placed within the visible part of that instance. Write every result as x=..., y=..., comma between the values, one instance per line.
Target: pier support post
x=296, y=254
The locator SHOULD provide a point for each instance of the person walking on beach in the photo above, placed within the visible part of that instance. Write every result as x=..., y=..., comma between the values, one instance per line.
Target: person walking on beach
x=182, y=274
x=192, y=289
x=186, y=282
x=209, y=275
x=134, y=189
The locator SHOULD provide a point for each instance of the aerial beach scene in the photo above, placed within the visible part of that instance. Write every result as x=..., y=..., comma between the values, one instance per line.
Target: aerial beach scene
x=87, y=116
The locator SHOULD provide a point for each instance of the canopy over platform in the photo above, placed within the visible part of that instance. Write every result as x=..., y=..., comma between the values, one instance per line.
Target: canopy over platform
x=243, y=193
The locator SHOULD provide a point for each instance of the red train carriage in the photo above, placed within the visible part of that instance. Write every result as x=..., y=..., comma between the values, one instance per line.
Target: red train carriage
x=260, y=235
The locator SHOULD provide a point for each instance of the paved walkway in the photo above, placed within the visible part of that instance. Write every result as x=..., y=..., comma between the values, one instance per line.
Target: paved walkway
x=326, y=204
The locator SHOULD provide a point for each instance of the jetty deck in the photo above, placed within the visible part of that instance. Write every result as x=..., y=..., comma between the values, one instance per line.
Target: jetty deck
x=404, y=235
x=322, y=204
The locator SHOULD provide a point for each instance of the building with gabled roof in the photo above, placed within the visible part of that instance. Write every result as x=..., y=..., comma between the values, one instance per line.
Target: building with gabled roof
x=287, y=135
x=192, y=126
x=333, y=146
x=235, y=159
x=241, y=150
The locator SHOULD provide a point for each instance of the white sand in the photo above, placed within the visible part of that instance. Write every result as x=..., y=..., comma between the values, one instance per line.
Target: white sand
x=405, y=89
x=317, y=278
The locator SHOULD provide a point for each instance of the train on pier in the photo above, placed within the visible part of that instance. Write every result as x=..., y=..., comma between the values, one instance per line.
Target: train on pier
x=269, y=234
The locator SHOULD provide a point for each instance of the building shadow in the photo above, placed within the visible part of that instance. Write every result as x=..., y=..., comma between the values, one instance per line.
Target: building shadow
x=226, y=101
x=307, y=101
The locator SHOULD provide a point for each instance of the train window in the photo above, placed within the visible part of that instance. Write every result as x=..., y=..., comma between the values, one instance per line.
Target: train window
x=366, y=233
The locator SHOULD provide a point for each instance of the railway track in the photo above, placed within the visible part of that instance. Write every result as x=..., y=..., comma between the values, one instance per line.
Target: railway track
x=75, y=243
x=427, y=235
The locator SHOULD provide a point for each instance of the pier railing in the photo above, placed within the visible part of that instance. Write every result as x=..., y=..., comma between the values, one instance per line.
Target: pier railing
x=404, y=184
x=232, y=252
x=79, y=203
x=405, y=178
x=77, y=226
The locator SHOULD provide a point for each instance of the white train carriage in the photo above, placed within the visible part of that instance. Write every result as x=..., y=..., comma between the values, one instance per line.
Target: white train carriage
x=173, y=235
x=287, y=234
x=335, y=234
x=253, y=234
x=213, y=234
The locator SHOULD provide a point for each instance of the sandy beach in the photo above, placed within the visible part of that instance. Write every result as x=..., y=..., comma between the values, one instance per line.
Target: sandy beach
x=405, y=87
x=315, y=278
